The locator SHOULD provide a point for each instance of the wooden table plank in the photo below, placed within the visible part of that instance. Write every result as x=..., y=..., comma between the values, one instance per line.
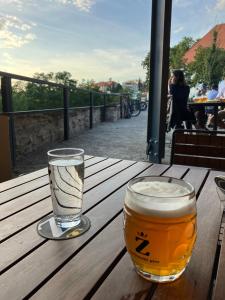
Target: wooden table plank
x=196, y=177
x=100, y=166
x=12, y=183
x=219, y=289
x=6, y=185
x=176, y=171
x=23, y=189
x=195, y=282
x=105, y=174
x=128, y=286
x=107, y=187
x=93, y=161
x=86, y=267
x=155, y=170
x=90, y=199
x=56, y=262
x=47, y=258
x=51, y=288
x=33, y=197
x=19, y=245
x=24, y=218
x=35, y=183
x=24, y=201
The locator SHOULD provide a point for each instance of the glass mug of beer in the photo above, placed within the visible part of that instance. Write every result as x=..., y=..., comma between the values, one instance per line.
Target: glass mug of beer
x=160, y=226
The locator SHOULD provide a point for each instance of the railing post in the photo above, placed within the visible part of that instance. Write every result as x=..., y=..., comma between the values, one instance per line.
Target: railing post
x=7, y=106
x=121, y=106
x=66, y=112
x=91, y=110
x=104, y=108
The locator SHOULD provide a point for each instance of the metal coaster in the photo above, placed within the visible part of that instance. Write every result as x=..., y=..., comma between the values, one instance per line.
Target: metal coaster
x=48, y=228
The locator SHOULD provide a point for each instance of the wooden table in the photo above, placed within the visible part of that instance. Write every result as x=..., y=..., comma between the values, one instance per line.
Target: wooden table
x=215, y=106
x=96, y=264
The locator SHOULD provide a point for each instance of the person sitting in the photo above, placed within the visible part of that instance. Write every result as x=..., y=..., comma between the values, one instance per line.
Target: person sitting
x=179, y=91
x=213, y=92
x=221, y=114
x=199, y=110
x=211, y=95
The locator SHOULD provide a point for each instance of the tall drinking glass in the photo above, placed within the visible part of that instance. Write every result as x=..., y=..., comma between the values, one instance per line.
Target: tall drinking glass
x=160, y=226
x=66, y=177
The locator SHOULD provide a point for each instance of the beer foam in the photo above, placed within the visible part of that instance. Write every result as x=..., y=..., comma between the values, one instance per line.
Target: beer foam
x=160, y=198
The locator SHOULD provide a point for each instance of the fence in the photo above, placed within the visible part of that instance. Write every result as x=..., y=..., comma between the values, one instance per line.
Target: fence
x=60, y=98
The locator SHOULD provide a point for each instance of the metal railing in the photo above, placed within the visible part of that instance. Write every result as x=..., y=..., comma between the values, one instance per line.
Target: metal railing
x=7, y=104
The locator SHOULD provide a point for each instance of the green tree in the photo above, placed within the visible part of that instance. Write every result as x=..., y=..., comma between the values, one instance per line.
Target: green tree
x=176, y=56
x=208, y=66
x=88, y=85
x=177, y=52
x=41, y=96
x=19, y=98
x=65, y=78
x=146, y=65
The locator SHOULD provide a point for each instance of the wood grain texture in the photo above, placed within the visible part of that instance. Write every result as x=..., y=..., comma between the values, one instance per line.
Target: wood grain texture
x=93, y=161
x=24, y=217
x=100, y=166
x=80, y=274
x=196, y=176
x=24, y=201
x=65, y=265
x=107, y=209
x=176, y=171
x=22, y=179
x=195, y=282
x=201, y=150
x=123, y=283
x=52, y=254
x=200, y=139
x=219, y=289
x=135, y=287
x=91, y=182
x=28, y=177
x=129, y=285
x=32, y=197
x=200, y=161
x=19, y=245
x=113, y=183
x=23, y=189
x=155, y=170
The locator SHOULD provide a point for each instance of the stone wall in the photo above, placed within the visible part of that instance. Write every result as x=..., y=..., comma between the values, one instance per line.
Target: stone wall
x=112, y=113
x=38, y=129
x=32, y=130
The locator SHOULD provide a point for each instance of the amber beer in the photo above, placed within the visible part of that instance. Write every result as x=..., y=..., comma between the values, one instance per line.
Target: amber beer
x=160, y=226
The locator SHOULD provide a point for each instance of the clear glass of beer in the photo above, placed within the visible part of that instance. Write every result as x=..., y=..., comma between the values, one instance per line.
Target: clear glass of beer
x=160, y=226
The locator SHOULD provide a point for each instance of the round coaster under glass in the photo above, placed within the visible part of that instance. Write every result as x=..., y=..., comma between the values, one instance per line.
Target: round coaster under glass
x=48, y=228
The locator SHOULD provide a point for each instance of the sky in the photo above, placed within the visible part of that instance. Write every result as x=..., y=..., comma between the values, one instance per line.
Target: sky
x=92, y=39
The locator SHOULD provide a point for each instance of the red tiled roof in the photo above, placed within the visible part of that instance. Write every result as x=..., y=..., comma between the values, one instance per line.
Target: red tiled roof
x=206, y=41
x=107, y=83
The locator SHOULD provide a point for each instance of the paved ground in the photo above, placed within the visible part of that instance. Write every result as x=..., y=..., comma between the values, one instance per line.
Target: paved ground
x=125, y=139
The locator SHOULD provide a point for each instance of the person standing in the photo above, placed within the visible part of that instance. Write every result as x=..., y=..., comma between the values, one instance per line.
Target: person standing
x=179, y=91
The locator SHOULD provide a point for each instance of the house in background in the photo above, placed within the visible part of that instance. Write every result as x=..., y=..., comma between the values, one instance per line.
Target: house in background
x=131, y=85
x=108, y=86
x=206, y=41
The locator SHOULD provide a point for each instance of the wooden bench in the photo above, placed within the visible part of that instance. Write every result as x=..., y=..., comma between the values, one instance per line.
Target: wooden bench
x=199, y=148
